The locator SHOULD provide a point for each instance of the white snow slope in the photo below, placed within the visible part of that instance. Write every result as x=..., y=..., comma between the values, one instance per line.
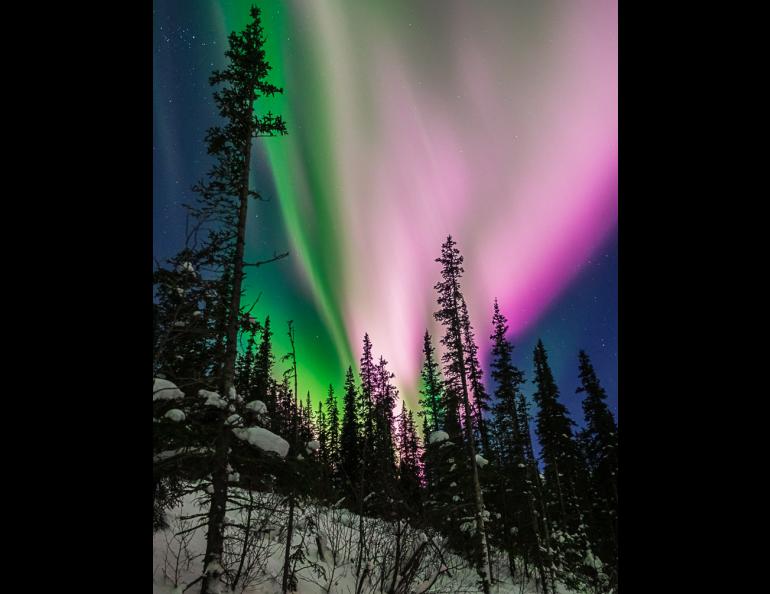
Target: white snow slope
x=328, y=536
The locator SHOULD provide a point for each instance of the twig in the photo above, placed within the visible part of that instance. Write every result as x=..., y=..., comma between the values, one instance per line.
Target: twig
x=259, y=263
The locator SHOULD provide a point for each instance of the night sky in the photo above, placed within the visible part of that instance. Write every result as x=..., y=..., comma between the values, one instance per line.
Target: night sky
x=495, y=122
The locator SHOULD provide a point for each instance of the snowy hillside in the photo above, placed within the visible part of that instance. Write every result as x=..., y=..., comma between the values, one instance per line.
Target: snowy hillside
x=324, y=553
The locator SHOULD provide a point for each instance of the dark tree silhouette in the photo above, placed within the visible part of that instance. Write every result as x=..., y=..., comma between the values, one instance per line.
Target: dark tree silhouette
x=450, y=300
x=600, y=440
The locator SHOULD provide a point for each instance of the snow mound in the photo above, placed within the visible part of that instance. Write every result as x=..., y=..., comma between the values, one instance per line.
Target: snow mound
x=212, y=399
x=438, y=436
x=234, y=420
x=165, y=390
x=264, y=440
x=175, y=415
x=257, y=406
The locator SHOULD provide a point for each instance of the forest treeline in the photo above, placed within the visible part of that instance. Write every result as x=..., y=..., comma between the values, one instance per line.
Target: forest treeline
x=228, y=418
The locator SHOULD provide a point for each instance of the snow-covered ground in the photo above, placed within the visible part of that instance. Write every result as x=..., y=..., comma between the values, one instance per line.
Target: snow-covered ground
x=328, y=540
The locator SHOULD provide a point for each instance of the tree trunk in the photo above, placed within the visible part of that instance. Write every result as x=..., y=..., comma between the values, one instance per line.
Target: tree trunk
x=484, y=563
x=215, y=537
x=289, y=533
x=216, y=519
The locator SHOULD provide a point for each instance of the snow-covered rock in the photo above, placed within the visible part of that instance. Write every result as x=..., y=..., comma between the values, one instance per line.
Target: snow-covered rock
x=234, y=420
x=263, y=439
x=165, y=390
x=212, y=399
x=175, y=415
x=438, y=436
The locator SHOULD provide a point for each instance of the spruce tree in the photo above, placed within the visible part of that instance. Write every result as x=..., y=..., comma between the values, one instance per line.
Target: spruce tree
x=450, y=301
x=384, y=451
x=510, y=497
x=333, y=437
x=409, y=461
x=263, y=366
x=475, y=374
x=349, y=438
x=563, y=466
x=600, y=438
x=224, y=199
x=367, y=371
x=431, y=401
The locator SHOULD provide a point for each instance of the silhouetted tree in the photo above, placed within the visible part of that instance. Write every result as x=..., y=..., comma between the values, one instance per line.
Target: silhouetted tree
x=431, y=401
x=349, y=439
x=600, y=439
x=223, y=198
x=450, y=302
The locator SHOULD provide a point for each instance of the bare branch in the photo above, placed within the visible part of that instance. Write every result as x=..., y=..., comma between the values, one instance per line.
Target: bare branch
x=273, y=259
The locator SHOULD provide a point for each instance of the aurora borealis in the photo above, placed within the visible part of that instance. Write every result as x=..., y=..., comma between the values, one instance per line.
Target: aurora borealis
x=494, y=121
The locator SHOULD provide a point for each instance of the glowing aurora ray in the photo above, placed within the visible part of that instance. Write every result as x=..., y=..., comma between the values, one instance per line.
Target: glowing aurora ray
x=495, y=122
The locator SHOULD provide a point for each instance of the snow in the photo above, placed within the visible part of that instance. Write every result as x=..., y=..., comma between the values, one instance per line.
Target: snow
x=592, y=561
x=212, y=399
x=186, y=267
x=165, y=455
x=313, y=445
x=197, y=313
x=481, y=461
x=175, y=415
x=257, y=406
x=165, y=390
x=438, y=436
x=264, y=440
x=234, y=420
x=328, y=538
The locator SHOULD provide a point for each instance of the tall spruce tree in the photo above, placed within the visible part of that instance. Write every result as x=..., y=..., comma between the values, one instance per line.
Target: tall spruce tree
x=409, y=461
x=224, y=199
x=431, y=401
x=475, y=374
x=349, y=438
x=536, y=498
x=450, y=301
x=263, y=366
x=600, y=439
x=333, y=437
x=563, y=467
x=367, y=371
x=510, y=492
x=385, y=394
